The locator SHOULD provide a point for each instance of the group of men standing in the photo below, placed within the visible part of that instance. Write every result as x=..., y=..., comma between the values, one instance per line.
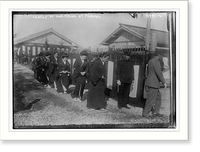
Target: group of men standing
x=54, y=72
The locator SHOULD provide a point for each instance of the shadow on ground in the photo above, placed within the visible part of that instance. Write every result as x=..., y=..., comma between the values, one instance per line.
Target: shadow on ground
x=22, y=86
x=112, y=94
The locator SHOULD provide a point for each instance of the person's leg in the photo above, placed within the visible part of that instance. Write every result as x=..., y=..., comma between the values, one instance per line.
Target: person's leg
x=82, y=87
x=152, y=95
x=75, y=93
x=35, y=74
x=39, y=75
x=59, y=85
x=120, y=95
x=157, y=106
x=65, y=82
x=44, y=78
x=51, y=80
x=126, y=94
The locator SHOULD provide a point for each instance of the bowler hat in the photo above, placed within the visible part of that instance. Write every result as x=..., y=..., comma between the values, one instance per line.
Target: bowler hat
x=158, y=52
x=84, y=52
x=41, y=54
x=128, y=53
x=47, y=53
x=65, y=55
x=104, y=54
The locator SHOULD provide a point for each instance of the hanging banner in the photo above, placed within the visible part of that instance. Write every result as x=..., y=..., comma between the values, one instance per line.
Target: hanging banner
x=110, y=71
x=134, y=87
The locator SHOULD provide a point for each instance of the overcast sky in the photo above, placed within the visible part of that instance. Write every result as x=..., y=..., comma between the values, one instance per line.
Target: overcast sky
x=87, y=30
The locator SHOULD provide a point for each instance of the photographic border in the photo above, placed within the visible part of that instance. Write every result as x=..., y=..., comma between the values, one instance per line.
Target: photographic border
x=104, y=130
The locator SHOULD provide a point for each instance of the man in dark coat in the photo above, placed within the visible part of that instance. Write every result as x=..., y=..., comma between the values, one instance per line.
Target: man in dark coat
x=81, y=67
x=125, y=77
x=152, y=85
x=63, y=74
x=53, y=69
x=46, y=69
x=43, y=76
x=38, y=67
x=96, y=95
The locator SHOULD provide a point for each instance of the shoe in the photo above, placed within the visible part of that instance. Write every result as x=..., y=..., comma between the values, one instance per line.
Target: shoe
x=102, y=109
x=48, y=86
x=79, y=100
x=157, y=115
x=126, y=107
x=147, y=117
x=60, y=93
x=91, y=109
x=75, y=99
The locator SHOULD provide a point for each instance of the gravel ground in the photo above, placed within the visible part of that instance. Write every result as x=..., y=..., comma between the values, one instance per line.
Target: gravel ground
x=39, y=107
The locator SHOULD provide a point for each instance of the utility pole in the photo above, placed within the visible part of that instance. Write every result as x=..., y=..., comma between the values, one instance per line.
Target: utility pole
x=147, y=40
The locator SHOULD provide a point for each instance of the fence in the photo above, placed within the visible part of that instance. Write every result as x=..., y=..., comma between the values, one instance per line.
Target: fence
x=140, y=58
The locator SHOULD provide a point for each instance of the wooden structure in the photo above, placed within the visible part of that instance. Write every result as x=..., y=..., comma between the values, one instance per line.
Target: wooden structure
x=46, y=40
x=133, y=39
x=129, y=36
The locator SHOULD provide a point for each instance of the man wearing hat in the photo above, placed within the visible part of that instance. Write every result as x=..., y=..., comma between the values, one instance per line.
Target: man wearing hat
x=39, y=67
x=46, y=68
x=53, y=69
x=81, y=67
x=96, y=94
x=63, y=74
x=125, y=77
x=152, y=85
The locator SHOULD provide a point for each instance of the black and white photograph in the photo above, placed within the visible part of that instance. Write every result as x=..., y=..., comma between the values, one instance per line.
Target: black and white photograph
x=94, y=69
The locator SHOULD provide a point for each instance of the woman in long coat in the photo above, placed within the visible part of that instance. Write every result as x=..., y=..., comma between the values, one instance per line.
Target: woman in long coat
x=96, y=93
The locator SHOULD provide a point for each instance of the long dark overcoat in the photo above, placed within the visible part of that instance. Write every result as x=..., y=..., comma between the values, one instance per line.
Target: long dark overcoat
x=96, y=93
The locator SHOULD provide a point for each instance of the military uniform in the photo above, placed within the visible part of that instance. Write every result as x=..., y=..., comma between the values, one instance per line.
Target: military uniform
x=125, y=74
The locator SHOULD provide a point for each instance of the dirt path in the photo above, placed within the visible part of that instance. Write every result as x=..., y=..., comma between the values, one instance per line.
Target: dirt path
x=37, y=106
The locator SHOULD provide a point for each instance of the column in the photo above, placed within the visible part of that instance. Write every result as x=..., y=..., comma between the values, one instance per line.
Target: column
x=153, y=42
x=33, y=50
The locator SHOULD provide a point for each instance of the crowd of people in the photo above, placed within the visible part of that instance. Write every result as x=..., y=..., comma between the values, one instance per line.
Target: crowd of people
x=53, y=71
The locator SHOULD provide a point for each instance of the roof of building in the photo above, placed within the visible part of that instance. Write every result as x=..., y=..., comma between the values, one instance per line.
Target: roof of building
x=49, y=34
x=139, y=32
